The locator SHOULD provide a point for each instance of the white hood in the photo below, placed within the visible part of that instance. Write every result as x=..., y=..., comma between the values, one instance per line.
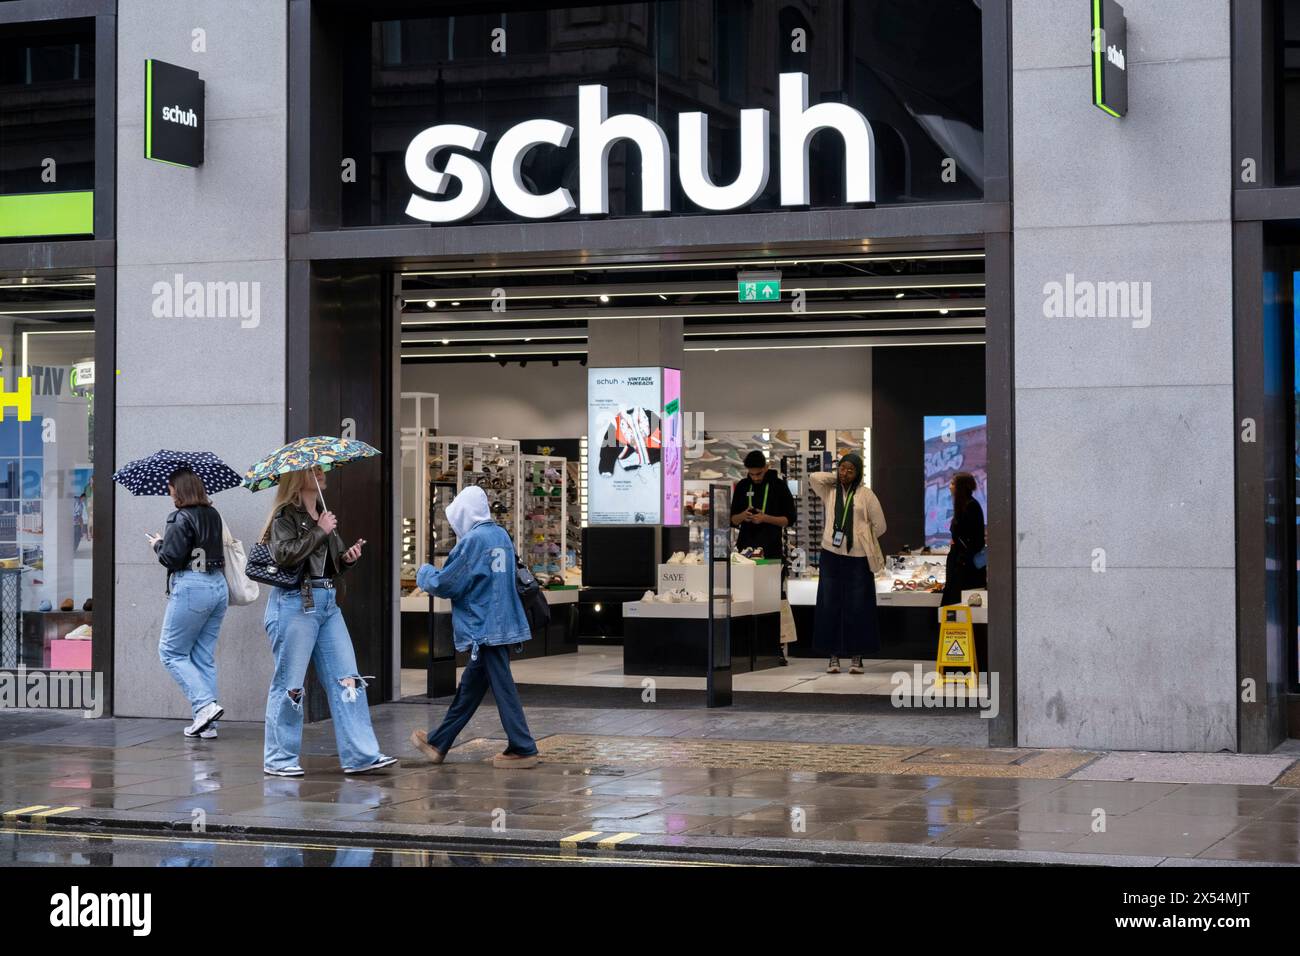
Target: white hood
x=469, y=508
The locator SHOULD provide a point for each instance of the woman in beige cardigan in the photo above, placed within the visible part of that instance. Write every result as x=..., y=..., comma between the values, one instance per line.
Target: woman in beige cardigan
x=846, y=624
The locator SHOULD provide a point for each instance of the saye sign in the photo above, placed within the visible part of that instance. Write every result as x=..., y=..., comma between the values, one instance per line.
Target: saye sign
x=598, y=132
x=1109, y=60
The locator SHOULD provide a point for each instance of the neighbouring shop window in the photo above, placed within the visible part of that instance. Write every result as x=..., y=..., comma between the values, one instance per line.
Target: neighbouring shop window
x=47, y=503
x=47, y=109
x=1287, y=90
x=731, y=46
x=460, y=38
x=913, y=69
x=668, y=37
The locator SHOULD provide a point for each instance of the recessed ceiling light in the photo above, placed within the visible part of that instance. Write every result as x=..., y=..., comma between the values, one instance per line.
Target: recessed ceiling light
x=432, y=303
x=662, y=296
x=604, y=298
x=455, y=303
x=446, y=341
x=943, y=311
x=493, y=354
x=899, y=296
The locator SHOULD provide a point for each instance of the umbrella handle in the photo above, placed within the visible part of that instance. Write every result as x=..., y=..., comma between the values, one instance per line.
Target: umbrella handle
x=319, y=493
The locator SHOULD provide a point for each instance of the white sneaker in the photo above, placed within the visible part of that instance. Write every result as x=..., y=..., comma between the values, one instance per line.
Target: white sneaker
x=209, y=734
x=648, y=597
x=380, y=764
x=294, y=771
x=208, y=714
x=678, y=557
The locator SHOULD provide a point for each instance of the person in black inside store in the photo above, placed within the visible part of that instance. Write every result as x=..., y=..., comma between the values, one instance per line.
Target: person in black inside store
x=967, y=530
x=762, y=508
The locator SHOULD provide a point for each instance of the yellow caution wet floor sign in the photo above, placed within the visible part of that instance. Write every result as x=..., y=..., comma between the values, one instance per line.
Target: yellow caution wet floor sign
x=956, y=646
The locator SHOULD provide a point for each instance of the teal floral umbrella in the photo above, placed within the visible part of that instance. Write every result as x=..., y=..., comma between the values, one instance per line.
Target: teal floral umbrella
x=319, y=451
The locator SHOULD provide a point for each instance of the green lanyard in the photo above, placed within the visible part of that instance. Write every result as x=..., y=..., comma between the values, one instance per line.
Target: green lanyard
x=848, y=503
x=766, y=489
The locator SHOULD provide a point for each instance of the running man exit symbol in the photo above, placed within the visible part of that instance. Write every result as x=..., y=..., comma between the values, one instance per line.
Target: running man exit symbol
x=759, y=288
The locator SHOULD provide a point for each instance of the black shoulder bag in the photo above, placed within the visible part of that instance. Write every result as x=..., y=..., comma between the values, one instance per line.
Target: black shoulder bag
x=261, y=567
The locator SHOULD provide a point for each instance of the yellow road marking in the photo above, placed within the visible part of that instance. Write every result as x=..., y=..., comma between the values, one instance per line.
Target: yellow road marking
x=50, y=813
x=579, y=837
x=617, y=838
x=424, y=854
x=19, y=812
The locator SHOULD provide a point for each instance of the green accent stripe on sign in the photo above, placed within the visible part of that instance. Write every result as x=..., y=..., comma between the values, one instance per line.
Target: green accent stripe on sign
x=1096, y=54
x=148, y=109
x=47, y=214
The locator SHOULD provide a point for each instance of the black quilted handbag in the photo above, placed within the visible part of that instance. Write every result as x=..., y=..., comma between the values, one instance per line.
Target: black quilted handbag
x=261, y=568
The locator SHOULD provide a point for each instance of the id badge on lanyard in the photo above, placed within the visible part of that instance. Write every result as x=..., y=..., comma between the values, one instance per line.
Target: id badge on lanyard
x=837, y=539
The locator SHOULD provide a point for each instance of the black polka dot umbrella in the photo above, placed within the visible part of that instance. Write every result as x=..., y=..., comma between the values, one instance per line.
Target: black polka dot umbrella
x=149, y=476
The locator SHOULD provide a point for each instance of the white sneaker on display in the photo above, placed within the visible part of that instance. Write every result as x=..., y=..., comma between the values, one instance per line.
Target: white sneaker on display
x=678, y=557
x=648, y=597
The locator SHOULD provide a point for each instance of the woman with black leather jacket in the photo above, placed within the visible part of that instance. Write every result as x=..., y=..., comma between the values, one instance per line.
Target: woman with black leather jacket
x=191, y=551
x=305, y=625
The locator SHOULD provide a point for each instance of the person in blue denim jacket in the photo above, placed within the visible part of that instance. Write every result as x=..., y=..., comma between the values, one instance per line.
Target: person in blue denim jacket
x=487, y=617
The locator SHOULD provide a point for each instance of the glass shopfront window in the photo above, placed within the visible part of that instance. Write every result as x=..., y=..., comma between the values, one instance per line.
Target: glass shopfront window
x=47, y=129
x=913, y=69
x=47, y=459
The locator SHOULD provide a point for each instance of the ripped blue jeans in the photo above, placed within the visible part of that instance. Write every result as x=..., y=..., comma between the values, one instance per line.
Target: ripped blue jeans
x=320, y=637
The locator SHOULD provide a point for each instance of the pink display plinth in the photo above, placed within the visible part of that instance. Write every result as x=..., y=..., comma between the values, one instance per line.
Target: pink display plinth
x=69, y=655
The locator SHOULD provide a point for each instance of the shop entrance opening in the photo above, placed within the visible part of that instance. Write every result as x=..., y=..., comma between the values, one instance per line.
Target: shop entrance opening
x=882, y=360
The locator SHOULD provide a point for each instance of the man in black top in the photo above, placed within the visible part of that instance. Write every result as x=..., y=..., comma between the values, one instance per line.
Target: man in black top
x=762, y=507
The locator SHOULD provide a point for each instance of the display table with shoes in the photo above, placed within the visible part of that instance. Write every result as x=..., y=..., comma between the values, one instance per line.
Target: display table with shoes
x=422, y=631
x=670, y=638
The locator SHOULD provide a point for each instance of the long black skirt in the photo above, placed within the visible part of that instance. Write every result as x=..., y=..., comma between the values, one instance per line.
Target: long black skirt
x=846, y=624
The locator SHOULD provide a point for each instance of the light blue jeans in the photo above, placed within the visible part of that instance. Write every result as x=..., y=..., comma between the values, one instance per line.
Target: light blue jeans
x=317, y=636
x=191, y=624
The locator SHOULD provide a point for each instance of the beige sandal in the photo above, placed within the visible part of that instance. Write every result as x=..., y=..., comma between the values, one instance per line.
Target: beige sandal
x=515, y=761
x=421, y=743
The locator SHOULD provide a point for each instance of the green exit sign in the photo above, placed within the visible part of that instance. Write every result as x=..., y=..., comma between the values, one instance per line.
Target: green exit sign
x=764, y=289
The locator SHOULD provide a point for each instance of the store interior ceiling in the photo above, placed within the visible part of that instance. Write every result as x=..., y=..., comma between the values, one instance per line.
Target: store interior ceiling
x=850, y=300
x=49, y=298
x=30, y=301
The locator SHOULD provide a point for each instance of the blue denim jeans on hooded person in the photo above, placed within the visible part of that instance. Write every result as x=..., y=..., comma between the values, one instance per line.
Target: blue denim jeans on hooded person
x=320, y=637
x=191, y=624
x=491, y=667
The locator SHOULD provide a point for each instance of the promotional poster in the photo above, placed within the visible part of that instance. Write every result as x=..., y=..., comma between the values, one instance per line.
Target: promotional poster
x=625, y=433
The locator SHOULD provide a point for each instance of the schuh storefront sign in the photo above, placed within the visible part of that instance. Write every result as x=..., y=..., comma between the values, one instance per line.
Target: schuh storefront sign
x=598, y=132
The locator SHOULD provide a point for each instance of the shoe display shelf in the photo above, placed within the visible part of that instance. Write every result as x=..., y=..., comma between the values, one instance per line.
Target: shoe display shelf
x=454, y=464
x=543, y=482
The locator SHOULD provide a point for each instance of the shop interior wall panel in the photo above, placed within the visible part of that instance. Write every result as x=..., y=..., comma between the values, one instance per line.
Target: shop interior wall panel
x=620, y=557
x=907, y=384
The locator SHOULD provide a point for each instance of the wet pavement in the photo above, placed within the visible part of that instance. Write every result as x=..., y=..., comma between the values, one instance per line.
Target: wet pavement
x=27, y=848
x=631, y=795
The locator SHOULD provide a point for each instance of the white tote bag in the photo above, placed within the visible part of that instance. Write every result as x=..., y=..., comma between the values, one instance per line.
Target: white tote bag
x=242, y=589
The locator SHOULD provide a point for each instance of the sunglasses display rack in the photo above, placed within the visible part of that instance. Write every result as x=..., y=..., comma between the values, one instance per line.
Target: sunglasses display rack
x=454, y=464
x=543, y=481
x=573, y=516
